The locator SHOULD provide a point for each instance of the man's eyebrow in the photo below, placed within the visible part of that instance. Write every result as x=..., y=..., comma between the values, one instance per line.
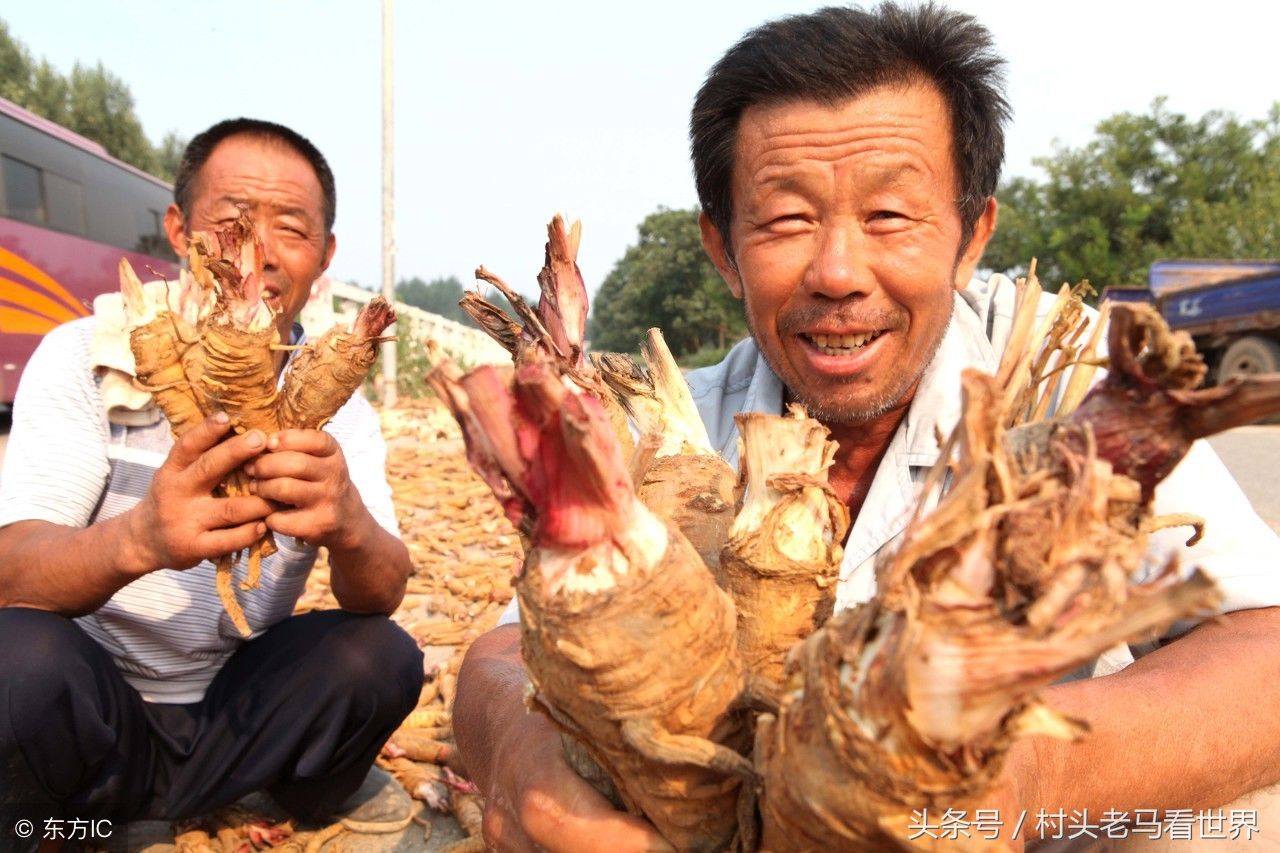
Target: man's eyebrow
x=286, y=209
x=783, y=181
x=291, y=210
x=890, y=176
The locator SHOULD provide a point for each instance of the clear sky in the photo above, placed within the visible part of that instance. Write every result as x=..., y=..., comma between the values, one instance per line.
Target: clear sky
x=507, y=112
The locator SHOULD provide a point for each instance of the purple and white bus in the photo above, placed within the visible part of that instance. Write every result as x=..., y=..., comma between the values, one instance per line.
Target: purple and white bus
x=68, y=212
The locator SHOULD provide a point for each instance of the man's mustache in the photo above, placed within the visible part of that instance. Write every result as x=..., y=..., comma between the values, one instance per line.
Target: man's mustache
x=845, y=314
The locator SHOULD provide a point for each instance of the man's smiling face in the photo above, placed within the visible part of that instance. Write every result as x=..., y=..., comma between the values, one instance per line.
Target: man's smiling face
x=846, y=244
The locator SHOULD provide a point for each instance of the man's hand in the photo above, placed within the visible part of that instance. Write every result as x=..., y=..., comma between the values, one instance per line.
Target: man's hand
x=179, y=522
x=534, y=801
x=305, y=474
x=1009, y=797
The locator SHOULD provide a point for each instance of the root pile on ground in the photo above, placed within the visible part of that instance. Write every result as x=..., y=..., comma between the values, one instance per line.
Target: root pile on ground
x=210, y=342
x=753, y=719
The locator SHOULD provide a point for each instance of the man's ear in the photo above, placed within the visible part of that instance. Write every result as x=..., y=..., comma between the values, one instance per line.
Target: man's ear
x=175, y=230
x=713, y=245
x=331, y=245
x=982, y=231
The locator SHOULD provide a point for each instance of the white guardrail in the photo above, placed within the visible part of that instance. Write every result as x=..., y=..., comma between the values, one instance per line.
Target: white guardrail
x=334, y=301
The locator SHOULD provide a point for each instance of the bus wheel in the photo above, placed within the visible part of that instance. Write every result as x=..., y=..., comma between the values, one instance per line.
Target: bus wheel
x=1248, y=356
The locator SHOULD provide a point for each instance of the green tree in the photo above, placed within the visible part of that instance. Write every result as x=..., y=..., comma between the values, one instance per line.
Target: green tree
x=169, y=155
x=15, y=68
x=439, y=296
x=91, y=101
x=100, y=106
x=665, y=280
x=48, y=92
x=1147, y=187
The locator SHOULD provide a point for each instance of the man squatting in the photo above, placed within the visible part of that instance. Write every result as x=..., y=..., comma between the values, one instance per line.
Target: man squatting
x=125, y=691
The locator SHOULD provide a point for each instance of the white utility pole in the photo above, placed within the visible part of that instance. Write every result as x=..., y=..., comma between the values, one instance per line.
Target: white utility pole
x=388, y=201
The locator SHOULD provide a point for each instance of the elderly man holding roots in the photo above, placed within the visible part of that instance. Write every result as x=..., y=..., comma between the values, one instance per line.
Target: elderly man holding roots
x=846, y=162
x=125, y=691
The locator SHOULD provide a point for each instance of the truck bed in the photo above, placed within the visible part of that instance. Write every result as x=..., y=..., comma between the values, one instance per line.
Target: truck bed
x=1223, y=307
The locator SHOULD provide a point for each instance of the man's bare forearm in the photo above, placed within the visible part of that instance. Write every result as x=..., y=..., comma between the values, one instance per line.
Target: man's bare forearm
x=370, y=573
x=67, y=570
x=491, y=687
x=1190, y=726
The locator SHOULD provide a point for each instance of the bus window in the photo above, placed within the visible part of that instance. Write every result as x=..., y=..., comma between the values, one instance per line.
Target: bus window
x=42, y=197
x=22, y=196
x=151, y=237
x=64, y=203
x=68, y=212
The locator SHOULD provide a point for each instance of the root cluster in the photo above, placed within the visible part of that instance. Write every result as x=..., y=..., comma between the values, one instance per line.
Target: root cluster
x=211, y=342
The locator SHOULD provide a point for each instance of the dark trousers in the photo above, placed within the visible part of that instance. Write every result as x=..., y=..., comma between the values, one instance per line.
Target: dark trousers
x=300, y=712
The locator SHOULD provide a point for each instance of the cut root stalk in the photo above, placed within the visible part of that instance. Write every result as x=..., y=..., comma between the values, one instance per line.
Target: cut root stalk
x=782, y=560
x=629, y=642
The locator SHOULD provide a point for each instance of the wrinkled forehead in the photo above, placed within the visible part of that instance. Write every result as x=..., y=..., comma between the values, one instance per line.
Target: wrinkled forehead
x=909, y=117
x=251, y=154
x=259, y=170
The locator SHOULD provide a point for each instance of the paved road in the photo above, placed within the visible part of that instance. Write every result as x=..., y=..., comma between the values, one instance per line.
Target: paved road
x=1252, y=454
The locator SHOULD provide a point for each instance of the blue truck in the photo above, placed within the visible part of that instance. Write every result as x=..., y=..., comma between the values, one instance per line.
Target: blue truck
x=1230, y=308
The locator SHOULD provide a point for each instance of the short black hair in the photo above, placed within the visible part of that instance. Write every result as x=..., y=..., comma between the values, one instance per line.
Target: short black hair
x=839, y=53
x=201, y=147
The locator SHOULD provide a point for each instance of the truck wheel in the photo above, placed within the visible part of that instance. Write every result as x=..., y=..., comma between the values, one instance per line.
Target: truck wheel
x=1248, y=356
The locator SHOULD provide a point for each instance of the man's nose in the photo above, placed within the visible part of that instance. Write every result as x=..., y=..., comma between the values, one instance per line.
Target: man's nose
x=270, y=259
x=839, y=266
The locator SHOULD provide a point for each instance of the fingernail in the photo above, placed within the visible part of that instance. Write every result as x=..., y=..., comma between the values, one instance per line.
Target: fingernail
x=255, y=439
x=273, y=442
x=221, y=417
x=253, y=487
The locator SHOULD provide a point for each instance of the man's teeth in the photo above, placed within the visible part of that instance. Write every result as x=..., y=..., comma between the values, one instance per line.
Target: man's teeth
x=840, y=344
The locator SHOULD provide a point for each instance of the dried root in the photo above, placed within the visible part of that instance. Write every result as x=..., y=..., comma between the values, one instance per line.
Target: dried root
x=782, y=560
